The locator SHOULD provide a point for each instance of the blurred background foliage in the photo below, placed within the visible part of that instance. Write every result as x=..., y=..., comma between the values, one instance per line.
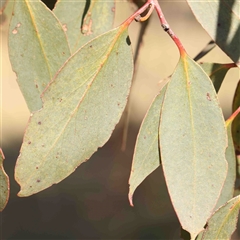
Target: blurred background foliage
x=92, y=203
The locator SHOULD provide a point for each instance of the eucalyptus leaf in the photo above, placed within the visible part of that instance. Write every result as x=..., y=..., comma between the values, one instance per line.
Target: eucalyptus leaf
x=217, y=72
x=236, y=123
x=37, y=48
x=80, y=25
x=81, y=107
x=223, y=222
x=220, y=18
x=4, y=184
x=146, y=156
x=228, y=187
x=193, y=142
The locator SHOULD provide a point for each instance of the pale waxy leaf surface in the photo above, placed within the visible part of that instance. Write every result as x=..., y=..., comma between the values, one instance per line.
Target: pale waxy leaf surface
x=221, y=20
x=81, y=107
x=4, y=184
x=236, y=123
x=146, y=156
x=228, y=187
x=37, y=48
x=81, y=26
x=217, y=72
x=193, y=141
x=223, y=222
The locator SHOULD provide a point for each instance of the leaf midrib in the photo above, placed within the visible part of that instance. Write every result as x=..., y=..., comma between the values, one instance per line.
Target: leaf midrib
x=80, y=101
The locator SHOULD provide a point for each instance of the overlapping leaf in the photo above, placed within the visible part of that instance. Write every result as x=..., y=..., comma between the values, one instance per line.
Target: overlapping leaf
x=146, y=154
x=80, y=110
x=220, y=18
x=228, y=187
x=37, y=48
x=236, y=123
x=223, y=222
x=81, y=25
x=193, y=143
x=4, y=184
x=216, y=72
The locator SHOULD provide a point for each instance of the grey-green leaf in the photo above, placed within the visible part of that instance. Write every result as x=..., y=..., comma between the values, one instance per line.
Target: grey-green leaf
x=146, y=154
x=37, y=48
x=228, y=187
x=81, y=107
x=223, y=222
x=217, y=72
x=236, y=123
x=81, y=26
x=4, y=184
x=220, y=18
x=193, y=141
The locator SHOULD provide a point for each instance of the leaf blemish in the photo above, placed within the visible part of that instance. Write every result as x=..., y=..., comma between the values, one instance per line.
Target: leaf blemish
x=29, y=142
x=208, y=97
x=39, y=123
x=64, y=26
x=38, y=180
x=15, y=31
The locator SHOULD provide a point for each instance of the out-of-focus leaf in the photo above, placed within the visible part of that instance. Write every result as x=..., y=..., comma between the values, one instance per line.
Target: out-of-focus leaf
x=223, y=222
x=4, y=184
x=220, y=18
x=146, y=154
x=37, y=48
x=236, y=123
x=216, y=72
x=205, y=50
x=228, y=187
x=3, y=4
x=191, y=121
x=81, y=107
x=82, y=26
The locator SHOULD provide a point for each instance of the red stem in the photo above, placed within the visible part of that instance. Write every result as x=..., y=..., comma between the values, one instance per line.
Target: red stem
x=167, y=28
x=137, y=13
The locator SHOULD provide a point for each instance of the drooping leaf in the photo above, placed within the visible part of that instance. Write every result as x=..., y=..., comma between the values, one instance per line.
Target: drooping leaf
x=228, y=187
x=4, y=184
x=145, y=159
x=236, y=123
x=81, y=107
x=146, y=156
x=193, y=142
x=220, y=19
x=223, y=222
x=37, y=48
x=80, y=25
x=216, y=72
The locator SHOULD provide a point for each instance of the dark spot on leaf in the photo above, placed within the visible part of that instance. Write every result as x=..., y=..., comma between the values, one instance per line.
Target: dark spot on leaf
x=128, y=41
x=63, y=53
x=60, y=99
x=36, y=167
x=144, y=137
x=113, y=9
x=43, y=145
x=38, y=180
x=36, y=86
x=30, y=186
x=90, y=46
x=39, y=123
x=208, y=97
x=29, y=142
x=116, y=53
x=219, y=24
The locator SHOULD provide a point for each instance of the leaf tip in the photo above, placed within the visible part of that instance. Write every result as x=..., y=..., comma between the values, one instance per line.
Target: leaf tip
x=130, y=198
